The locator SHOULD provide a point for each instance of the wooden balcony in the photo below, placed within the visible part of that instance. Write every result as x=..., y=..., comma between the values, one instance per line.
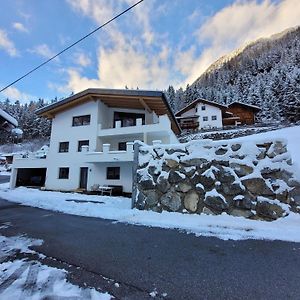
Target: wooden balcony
x=189, y=125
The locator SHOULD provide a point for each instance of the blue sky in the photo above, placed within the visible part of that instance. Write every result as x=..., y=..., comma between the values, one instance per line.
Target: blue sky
x=159, y=43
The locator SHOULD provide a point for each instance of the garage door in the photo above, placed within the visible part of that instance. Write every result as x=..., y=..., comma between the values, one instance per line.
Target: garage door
x=31, y=177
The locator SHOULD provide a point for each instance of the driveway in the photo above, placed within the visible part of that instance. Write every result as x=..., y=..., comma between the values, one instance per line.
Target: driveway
x=4, y=178
x=172, y=264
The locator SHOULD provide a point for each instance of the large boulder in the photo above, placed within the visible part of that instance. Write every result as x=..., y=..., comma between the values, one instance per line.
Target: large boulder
x=176, y=177
x=163, y=184
x=244, y=201
x=147, y=184
x=171, y=163
x=216, y=201
x=206, y=181
x=231, y=189
x=276, y=148
x=241, y=169
x=183, y=187
x=191, y=200
x=241, y=213
x=152, y=197
x=171, y=201
x=257, y=186
x=268, y=210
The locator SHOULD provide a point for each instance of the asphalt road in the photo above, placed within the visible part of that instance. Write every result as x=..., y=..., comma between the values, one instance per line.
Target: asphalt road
x=143, y=259
x=4, y=178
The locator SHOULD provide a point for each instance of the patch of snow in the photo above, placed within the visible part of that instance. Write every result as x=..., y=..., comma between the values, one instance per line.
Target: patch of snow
x=32, y=280
x=119, y=208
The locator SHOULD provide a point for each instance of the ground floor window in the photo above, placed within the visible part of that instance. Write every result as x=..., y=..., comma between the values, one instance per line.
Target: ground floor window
x=63, y=173
x=122, y=146
x=113, y=173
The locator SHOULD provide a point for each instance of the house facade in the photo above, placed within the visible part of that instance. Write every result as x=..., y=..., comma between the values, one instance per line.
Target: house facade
x=201, y=114
x=245, y=112
x=92, y=138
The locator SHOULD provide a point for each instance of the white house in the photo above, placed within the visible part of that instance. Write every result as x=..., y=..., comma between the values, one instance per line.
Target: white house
x=92, y=139
x=201, y=114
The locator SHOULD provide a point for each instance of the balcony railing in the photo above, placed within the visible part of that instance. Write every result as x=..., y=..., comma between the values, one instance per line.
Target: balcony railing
x=189, y=125
x=162, y=124
x=108, y=155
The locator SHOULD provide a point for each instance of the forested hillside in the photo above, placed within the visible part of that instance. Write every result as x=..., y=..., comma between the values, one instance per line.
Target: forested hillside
x=33, y=126
x=265, y=73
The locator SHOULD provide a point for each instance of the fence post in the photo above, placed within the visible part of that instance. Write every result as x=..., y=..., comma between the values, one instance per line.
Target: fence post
x=135, y=164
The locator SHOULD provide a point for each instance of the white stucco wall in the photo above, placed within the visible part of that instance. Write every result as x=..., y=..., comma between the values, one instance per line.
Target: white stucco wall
x=209, y=112
x=63, y=131
x=97, y=175
x=188, y=113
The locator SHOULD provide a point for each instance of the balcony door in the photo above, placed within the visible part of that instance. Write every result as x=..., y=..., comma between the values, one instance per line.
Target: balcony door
x=83, y=178
x=128, y=119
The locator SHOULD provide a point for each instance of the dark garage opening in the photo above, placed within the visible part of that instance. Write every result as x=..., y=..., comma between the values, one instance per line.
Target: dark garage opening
x=31, y=177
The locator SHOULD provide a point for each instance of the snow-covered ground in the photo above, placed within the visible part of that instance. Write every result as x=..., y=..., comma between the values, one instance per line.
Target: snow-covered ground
x=119, y=208
x=291, y=134
x=30, y=279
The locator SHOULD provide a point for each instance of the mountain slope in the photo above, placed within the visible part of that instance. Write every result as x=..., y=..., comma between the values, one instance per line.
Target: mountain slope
x=265, y=73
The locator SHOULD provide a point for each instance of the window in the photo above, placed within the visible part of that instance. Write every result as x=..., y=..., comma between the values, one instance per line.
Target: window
x=63, y=173
x=203, y=107
x=113, y=173
x=122, y=146
x=81, y=120
x=128, y=119
x=82, y=143
x=63, y=147
x=205, y=118
x=213, y=118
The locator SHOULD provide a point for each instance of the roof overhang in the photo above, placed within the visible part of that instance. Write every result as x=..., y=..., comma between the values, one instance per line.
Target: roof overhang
x=250, y=106
x=134, y=99
x=5, y=117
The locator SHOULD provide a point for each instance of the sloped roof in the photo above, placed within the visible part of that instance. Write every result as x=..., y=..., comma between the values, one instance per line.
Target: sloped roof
x=6, y=117
x=254, y=107
x=121, y=98
x=200, y=100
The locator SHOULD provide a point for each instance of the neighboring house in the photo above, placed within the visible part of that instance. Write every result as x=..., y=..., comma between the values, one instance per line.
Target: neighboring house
x=201, y=114
x=245, y=112
x=92, y=139
x=7, y=122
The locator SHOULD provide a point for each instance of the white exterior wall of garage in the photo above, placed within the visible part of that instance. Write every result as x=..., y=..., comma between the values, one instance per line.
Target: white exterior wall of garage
x=102, y=151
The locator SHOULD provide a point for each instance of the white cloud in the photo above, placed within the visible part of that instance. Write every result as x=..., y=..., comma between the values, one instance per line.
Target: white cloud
x=235, y=25
x=82, y=59
x=42, y=50
x=123, y=65
x=20, y=27
x=127, y=59
x=6, y=44
x=14, y=94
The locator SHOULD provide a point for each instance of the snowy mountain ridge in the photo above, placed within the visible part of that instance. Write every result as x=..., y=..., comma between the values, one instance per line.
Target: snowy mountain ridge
x=227, y=57
x=265, y=73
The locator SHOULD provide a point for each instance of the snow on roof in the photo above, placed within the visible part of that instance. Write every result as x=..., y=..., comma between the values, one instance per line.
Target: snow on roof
x=8, y=118
x=244, y=104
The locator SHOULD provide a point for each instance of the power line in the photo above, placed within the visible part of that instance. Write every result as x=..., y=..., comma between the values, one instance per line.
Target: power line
x=72, y=45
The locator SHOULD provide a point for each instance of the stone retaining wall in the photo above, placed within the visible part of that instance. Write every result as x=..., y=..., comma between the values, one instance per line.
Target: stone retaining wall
x=253, y=180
